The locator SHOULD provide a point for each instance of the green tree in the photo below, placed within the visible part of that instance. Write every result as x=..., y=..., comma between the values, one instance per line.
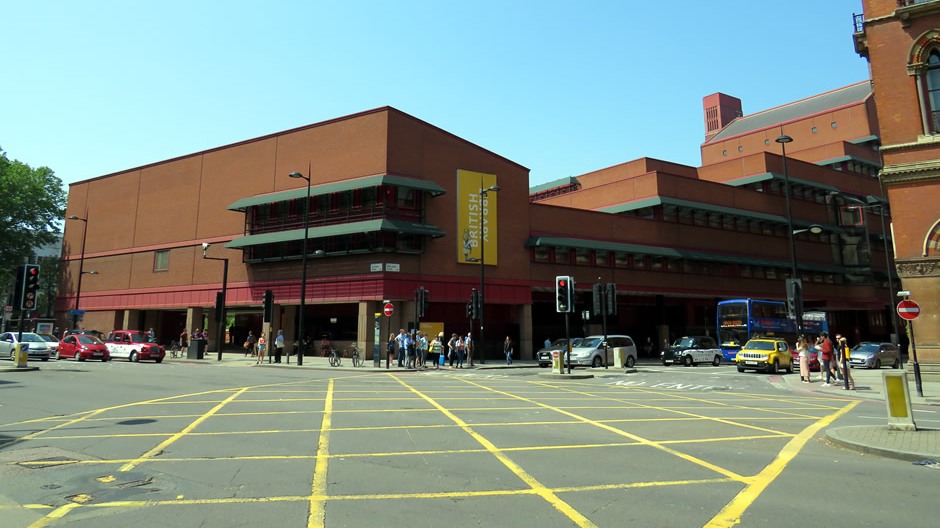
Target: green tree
x=32, y=204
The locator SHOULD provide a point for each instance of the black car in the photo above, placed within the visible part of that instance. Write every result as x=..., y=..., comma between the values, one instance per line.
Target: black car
x=692, y=350
x=544, y=356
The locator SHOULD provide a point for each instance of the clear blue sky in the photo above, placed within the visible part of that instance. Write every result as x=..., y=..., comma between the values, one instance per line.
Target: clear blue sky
x=561, y=87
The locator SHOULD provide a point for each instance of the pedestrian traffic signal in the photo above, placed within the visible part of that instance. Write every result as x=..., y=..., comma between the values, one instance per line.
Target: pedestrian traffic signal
x=611, y=298
x=564, y=294
x=794, y=298
x=421, y=301
x=268, y=305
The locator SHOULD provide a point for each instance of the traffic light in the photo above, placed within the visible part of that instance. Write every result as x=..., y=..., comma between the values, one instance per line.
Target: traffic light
x=421, y=301
x=597, y=291
x=611, y=298
x=564, y=294
x=794, y=297
x=475, y=302
x=27, y=287
x=268, y=305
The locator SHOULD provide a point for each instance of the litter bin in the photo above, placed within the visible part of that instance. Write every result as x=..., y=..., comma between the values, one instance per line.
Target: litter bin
x=197, y=349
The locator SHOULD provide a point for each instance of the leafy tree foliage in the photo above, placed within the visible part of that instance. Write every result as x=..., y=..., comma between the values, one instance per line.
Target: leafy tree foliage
x=32, y=204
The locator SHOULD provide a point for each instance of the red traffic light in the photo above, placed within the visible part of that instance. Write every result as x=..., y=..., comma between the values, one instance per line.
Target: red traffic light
x=562, y=283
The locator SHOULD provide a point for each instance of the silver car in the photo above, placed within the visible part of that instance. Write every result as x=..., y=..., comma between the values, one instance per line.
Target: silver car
x=544, y=355
x=874, y=355
x=38, y=347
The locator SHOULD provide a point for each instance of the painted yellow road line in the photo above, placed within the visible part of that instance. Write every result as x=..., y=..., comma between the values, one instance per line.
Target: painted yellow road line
x=644, y=441
x=57, y=513
x=162, y=445
x=731, y=514
x=537, y=487
x=317, y=515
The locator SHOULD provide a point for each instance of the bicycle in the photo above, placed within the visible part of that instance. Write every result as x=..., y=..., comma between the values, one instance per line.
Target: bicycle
x=356, y=357
x=335, y=359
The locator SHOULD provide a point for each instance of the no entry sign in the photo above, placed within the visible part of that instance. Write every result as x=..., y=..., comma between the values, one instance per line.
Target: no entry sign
x=908, y=309
x=389, y=309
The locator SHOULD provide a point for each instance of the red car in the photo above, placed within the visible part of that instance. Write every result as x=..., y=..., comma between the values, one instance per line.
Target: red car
x=813, y=358
x=81, y=347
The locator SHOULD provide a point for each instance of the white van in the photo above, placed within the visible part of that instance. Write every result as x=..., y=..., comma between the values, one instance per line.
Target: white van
x=590, y=351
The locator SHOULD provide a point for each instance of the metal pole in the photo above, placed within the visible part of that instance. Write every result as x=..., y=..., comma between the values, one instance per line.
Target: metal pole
x=482, y=275
x=917, y=381
x=303, y=265
x=221, y=313
x=567, y=345
x=81, y=270
x=783, y=140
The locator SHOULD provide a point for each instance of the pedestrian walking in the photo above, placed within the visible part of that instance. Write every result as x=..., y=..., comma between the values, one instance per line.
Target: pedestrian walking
x=846, y=368
x=461, y=351
x=262, y=344
x=422, y=349
x=278, y=346
x=249, y=345
x=507, y=349
x=802, y=349
x=402, y=347
x=825, y=360
x=452, y=348
x=390, y=348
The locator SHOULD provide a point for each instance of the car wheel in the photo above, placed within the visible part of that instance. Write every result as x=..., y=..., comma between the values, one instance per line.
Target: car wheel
x=596, y=362
x=790, y=368
x=133, y=357
x=78, y=356
x=896, y=364
x=717, y=361
x=687, y=361
x=740, y=368
x=775, y=366
x=55, y=355
x=630, y=362
x=666, y=363
x=159, y=360
x=543, y=365
x=877, y=364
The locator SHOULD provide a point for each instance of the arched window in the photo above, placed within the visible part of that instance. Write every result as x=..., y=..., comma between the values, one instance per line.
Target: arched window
x=932, y=79
x=932, y=242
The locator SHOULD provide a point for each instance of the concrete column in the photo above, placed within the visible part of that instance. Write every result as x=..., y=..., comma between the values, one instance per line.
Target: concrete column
x=526, y=347
x=365, y=325
x=194, y=318
x=130, y=320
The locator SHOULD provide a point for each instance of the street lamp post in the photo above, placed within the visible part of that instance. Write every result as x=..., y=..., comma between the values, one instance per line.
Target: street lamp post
x=483, y=195
x=783, y=140
x=874, y=201
x=81, y=269
x=303, y=273
x=221, y=308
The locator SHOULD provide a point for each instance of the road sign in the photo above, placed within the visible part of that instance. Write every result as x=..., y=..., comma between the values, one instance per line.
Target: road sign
x=908, y=309
x=389, y=309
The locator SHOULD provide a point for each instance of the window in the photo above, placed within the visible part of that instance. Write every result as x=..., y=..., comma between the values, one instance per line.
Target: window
x=161, y=260
x=602, y=258
x=933, y=91
x=621, y=259
x=562, y=255
x=542, y=254
x=582, y=257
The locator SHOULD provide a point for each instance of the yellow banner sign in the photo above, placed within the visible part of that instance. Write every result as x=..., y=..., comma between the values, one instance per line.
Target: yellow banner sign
x=476, y=218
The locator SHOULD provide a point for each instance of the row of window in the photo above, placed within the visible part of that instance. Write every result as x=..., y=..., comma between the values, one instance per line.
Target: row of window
x=337, y=208
x=625, y=260
x=373, y=242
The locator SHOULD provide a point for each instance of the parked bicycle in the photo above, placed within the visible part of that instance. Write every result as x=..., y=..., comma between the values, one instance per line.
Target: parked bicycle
x=356, y=357
x=335, y=359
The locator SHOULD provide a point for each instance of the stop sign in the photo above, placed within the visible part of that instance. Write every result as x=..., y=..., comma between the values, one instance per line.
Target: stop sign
x=389, y=309
x=908, y=309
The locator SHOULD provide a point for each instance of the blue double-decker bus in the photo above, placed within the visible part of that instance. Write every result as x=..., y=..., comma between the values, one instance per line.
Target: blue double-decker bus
x=742, y=319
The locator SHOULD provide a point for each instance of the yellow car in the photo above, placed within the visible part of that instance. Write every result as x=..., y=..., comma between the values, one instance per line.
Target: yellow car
x=765, y=354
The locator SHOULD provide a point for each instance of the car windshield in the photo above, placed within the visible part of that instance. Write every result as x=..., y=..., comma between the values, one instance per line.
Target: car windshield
x=866, y=347
x=589, y=342
x=88, y=340
x=760, y=345
x=138, y=338
x=33, y=338
x=49, y=338
x=684, y=342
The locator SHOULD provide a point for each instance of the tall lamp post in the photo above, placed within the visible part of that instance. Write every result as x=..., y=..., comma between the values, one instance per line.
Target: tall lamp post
x=221, y=305
x=870, y=202
x=303, y=273
x=483, y=195
x=783, y=140
x=81, y=269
